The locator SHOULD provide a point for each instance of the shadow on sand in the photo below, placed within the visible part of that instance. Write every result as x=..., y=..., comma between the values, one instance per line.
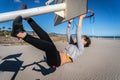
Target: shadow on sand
x=42, y=69
x=11, y=63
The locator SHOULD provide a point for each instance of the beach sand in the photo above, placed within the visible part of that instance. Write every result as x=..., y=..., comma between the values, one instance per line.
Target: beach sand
x=101, y=61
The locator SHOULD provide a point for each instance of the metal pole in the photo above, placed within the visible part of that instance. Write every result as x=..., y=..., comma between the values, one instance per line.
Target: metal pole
x=31, y=12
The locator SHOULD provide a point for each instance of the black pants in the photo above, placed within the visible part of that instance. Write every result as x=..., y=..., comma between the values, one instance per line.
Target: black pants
x=43, y=43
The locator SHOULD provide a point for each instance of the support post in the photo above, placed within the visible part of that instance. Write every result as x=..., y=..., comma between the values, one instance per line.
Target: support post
x=31, y=12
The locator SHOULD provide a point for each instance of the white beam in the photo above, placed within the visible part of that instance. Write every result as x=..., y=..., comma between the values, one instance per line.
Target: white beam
x=31, y=12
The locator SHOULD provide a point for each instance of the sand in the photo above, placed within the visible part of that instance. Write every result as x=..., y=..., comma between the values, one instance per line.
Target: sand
x=101, y=61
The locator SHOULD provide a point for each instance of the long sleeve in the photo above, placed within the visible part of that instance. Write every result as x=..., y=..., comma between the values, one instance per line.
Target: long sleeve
x=79, y=39
x=69, y=36
x=74, y=50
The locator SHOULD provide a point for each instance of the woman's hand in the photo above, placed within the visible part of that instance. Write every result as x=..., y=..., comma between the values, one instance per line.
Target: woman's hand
x=82, y=16
x=80, y=19
x=70, y=21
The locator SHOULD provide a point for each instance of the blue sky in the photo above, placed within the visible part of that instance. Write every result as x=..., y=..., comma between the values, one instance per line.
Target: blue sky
x=106, y=17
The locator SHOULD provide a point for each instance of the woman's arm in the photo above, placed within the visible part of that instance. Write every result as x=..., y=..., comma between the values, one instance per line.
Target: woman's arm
x=69, y=37
x=80, y=20
x=78, y=33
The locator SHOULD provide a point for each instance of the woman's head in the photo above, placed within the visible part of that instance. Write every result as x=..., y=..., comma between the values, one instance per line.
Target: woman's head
x=86, y=41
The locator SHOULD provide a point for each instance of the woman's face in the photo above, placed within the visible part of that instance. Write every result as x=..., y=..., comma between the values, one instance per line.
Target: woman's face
x=84, y=41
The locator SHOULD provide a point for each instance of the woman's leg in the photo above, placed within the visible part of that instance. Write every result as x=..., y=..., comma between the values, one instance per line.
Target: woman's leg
x=47, y=46
x=53, y=57
x=39, y=43
x=39, y=31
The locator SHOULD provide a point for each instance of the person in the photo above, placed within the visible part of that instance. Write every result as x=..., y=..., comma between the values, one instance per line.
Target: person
x=54, y=57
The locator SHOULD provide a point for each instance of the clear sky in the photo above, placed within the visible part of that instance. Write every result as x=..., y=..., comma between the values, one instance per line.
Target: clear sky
x=107, y=17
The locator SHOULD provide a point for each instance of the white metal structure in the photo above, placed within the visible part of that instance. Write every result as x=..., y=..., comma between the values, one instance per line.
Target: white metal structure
x=31, y=12
x=65, y=10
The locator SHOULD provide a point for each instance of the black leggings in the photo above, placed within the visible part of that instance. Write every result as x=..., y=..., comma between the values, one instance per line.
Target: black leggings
x=43, y=43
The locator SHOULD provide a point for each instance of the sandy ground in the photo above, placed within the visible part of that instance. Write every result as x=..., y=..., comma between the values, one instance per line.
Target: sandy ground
x=101, y=61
